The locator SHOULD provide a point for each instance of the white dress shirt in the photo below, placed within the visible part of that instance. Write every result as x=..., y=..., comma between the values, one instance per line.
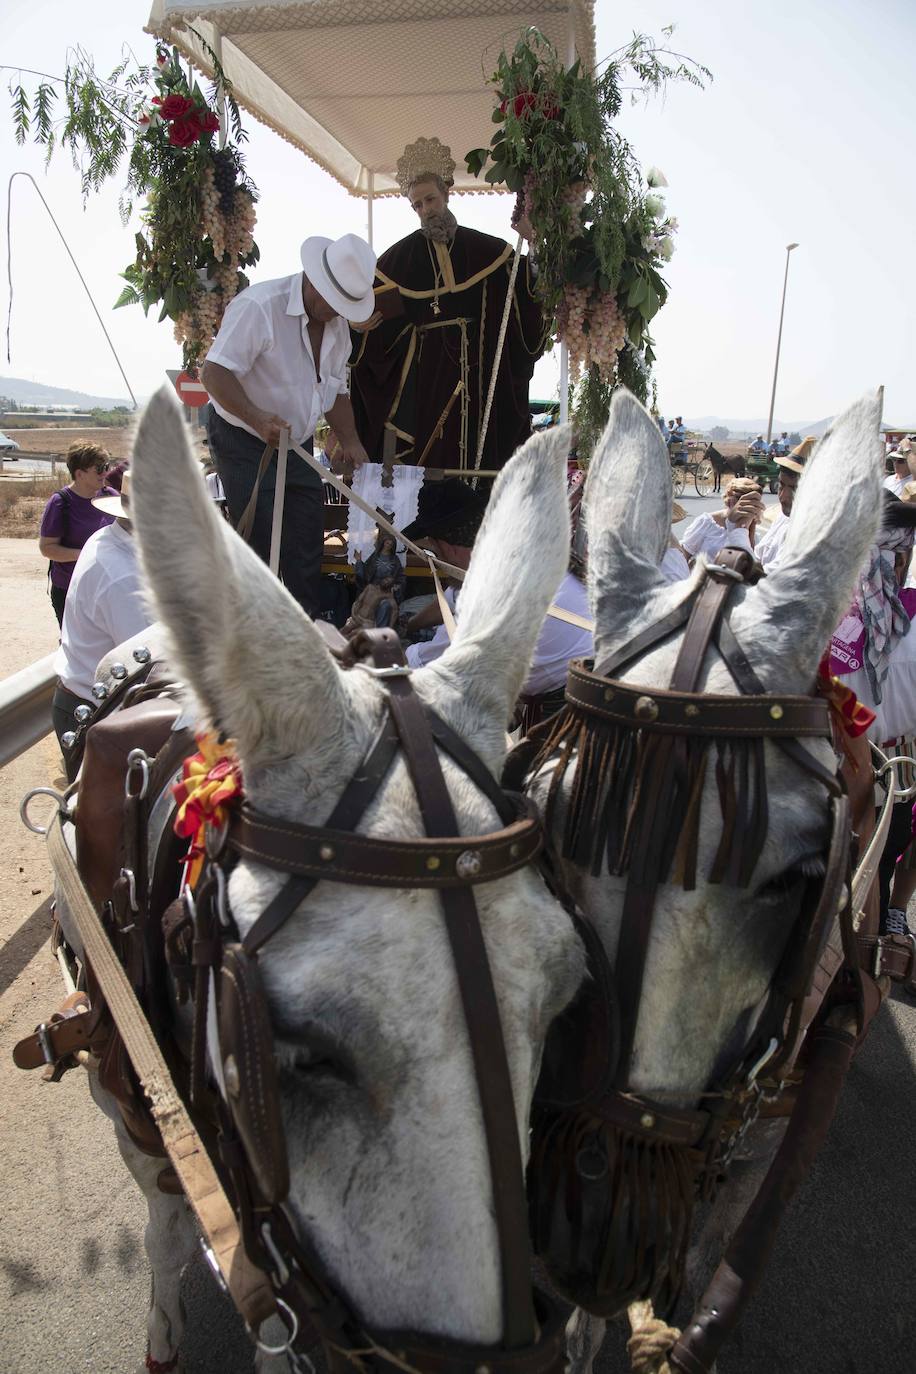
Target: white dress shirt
x=264, y=340
x=768, y=548
x=558, y=643
x=104, y=607
x=895, y=484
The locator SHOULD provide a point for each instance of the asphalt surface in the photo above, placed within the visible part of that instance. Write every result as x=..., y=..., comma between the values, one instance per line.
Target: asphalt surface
x=839, y=1297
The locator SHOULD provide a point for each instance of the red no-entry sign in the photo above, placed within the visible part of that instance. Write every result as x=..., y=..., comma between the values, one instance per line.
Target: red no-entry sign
x=191, y=392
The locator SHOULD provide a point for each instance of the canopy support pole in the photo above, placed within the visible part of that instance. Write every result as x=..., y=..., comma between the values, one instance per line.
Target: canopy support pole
x=369, y=200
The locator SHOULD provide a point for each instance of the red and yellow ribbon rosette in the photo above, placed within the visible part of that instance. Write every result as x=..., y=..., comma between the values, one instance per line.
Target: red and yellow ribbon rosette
x=211, y=782
x=849, y=716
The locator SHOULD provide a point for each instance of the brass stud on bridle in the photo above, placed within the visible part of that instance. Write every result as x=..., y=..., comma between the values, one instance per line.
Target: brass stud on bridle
x=432, y=863
x=776, y=711
x=469, y=864
x=691, y=710
x=326, y=852
x=645, y=709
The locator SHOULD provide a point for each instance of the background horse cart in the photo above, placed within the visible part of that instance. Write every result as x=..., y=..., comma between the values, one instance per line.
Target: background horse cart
x=692, y=463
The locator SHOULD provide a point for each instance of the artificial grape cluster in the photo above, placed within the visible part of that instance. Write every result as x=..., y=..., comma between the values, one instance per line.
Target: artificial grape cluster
x=593, y=329
x=231, y=235
x=224, y=180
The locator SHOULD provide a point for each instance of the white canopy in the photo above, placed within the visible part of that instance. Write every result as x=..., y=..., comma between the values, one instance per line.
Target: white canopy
x=352, y=82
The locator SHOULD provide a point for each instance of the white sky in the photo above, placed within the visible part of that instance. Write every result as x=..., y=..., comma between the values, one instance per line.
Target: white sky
x=805, y=134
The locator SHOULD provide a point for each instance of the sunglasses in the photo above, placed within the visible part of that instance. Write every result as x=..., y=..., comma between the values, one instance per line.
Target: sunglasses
x=102, y=467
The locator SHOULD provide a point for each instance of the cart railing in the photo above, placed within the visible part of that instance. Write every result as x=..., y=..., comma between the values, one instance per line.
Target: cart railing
x=25, y=708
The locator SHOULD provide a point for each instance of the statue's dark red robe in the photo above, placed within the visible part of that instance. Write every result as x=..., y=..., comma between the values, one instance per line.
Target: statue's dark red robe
x=406, y=369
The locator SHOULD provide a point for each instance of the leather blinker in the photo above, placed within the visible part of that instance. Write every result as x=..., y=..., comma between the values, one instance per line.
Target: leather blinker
x=247, y=1048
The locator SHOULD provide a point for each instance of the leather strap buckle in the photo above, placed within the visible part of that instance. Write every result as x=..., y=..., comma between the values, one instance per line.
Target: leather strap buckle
x=392, y=670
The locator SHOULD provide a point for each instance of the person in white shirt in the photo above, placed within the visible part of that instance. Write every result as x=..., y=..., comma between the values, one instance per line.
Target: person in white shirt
x=709, y=533
x=900, y=476
x=768, y=548
x=105, y=606
x=448, y=518
x=280, y=361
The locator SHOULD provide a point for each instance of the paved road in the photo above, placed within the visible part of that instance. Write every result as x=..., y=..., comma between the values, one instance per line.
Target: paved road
x=841, y=1293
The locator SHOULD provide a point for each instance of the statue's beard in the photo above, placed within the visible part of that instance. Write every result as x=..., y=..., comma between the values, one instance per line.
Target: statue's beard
x=440, y=228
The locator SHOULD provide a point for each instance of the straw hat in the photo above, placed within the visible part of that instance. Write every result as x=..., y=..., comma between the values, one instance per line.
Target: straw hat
x=796, y=459
x=342, y=271
x=678, y=513
x=117, y=505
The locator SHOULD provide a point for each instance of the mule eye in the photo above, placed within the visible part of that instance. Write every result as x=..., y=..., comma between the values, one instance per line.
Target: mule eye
x=785, y=884
x=316, y=1061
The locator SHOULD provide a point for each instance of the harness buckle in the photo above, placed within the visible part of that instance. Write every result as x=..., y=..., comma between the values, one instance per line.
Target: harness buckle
x=393, y=670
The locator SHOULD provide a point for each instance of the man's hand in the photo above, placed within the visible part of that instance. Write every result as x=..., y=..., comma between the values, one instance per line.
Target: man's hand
x=269, y=426
x=344, y=456
x=366, y=325
x=747, y=510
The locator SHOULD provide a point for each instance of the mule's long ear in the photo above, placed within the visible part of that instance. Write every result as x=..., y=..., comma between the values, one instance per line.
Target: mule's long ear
x=251, y=655
x=836, y=512
x=627, y=507
x=520, y=556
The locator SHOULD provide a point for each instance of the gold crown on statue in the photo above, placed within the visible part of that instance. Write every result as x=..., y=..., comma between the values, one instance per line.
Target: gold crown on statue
x=427, y=157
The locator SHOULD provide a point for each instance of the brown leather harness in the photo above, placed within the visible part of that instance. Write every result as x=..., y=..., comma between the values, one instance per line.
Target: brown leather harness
x=252, y=1141
x=615, y=736
x=232, y=1042
x=613, y=1172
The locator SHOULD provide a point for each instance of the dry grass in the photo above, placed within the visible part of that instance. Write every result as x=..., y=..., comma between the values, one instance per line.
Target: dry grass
x=22, y=502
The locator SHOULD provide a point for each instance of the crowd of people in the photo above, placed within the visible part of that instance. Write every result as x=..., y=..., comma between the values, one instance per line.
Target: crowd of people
x=776, y=448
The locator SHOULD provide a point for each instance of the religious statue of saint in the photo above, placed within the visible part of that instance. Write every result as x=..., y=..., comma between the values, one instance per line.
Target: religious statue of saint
x=381, y=582
x=441, y=294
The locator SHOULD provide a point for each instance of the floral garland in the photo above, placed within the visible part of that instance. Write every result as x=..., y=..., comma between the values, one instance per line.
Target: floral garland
x=199, y=216
x=600, y=233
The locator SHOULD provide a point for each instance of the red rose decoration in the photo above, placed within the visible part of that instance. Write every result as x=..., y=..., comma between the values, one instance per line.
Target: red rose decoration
x=524, y=101
x=157, y=100
x=209, y=122
x=184, y=132
x=174, y=106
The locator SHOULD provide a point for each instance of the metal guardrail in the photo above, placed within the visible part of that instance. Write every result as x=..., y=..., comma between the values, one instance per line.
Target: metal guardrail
x=25, y=708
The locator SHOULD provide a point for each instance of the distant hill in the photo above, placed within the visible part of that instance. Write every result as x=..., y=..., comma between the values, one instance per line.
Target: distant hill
x=26, y=393
x=739, y=429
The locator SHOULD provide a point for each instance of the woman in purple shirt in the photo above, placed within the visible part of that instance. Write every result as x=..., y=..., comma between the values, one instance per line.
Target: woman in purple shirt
x=70, y=517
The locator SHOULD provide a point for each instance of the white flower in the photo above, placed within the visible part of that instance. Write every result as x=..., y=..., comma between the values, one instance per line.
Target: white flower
x=666, y=249
x=655, y=206
x=655, y=178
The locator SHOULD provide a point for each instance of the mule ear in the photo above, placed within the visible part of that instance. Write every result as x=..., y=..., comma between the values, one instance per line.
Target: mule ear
x=835, y=516
x=519, y=558
x=627, y=508
x=252, y=656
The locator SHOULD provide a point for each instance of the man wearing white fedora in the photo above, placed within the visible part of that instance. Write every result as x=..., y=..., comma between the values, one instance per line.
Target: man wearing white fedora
x=280, y=359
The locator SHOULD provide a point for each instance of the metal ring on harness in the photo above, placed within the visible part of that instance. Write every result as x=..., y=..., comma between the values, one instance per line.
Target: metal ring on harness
x=291, y=1337
x=900, y=794
x=40, y=792
x=137, y=758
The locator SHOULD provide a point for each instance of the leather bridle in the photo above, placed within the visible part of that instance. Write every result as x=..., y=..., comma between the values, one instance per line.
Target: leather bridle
x=252, y=1143
x=636, y=760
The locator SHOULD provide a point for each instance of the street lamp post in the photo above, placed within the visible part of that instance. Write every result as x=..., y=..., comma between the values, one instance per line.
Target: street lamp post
x=782, y=311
